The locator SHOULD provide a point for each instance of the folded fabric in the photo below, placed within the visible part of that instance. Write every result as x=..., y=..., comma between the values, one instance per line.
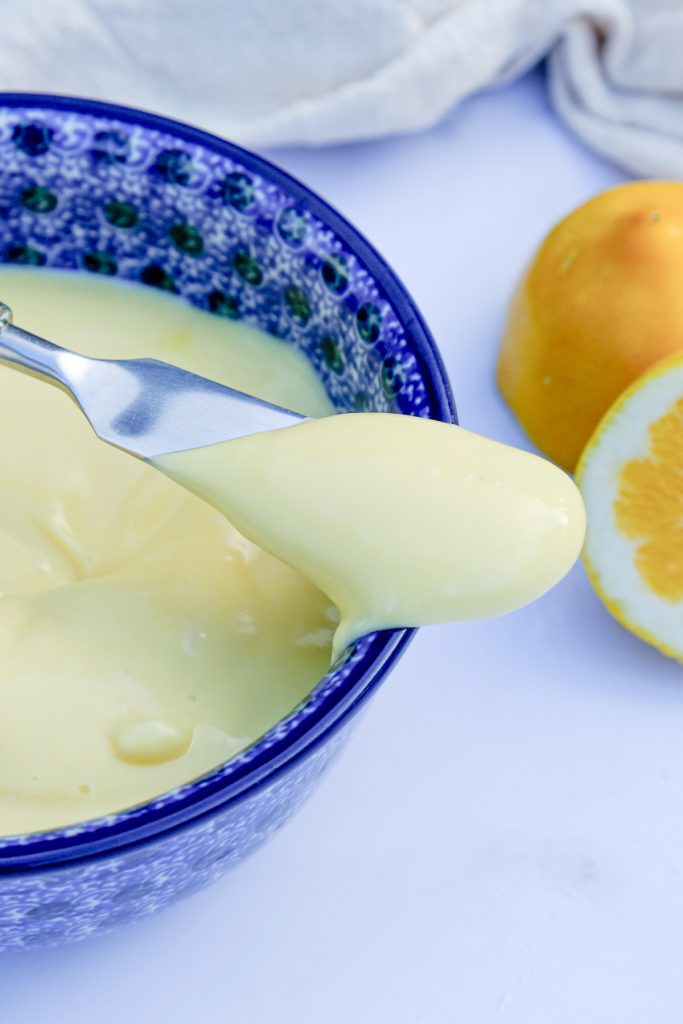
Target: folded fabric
x=267, y=72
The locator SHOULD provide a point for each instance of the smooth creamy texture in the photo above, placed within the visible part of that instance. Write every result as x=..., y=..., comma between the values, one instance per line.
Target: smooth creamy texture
x=142, y=639
x=401, y=521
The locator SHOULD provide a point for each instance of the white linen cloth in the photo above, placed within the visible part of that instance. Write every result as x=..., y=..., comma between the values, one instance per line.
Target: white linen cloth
x=268, y=72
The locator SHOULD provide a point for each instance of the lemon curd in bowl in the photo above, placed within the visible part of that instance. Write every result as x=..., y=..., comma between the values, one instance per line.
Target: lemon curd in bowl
x=144, y=640
x=92, y=191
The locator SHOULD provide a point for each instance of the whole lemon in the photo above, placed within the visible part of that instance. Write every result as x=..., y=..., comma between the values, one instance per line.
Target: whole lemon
x=601, y=302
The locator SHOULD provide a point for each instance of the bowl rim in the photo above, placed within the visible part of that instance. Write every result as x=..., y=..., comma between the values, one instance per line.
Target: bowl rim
x=270, y=754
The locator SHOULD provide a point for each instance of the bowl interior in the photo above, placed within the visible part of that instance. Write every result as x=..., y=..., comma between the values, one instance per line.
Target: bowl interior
x=93, y=193
x=104, y=190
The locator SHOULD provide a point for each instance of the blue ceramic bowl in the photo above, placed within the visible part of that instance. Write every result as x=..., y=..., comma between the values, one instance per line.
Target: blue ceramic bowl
x=99, y=189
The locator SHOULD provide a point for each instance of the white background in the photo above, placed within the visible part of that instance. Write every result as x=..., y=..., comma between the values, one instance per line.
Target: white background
x=502, y=840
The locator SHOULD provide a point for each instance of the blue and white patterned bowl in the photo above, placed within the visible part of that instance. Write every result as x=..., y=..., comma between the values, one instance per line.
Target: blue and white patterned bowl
x=99, y=189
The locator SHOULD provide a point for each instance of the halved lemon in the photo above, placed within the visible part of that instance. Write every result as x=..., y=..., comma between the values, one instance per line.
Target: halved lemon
x=631, y=479
x=599, y=305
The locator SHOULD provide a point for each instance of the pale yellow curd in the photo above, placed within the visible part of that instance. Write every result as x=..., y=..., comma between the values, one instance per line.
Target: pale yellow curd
x=143, y=639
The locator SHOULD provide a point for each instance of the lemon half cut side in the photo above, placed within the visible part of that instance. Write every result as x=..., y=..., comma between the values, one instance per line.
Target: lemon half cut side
x=631, y=478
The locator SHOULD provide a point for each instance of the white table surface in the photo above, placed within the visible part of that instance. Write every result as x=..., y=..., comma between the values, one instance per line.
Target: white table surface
x=503, y=838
